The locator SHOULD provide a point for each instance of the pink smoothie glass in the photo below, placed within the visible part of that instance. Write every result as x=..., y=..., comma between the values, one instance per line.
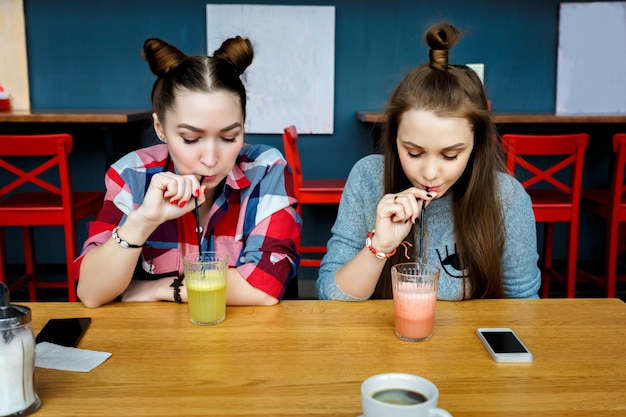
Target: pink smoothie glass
x=414, y=300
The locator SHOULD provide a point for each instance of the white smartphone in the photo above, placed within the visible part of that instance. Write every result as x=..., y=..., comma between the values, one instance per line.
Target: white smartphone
x=503, y=345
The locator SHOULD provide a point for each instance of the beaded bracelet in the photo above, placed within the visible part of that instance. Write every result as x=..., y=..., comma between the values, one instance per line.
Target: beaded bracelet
x=122, y=242
x=379, y=255
x=178, y=282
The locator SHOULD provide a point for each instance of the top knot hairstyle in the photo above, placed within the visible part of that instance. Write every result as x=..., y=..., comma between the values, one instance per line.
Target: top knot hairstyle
x=177, y=71
x=449, y=90
x=440, y=39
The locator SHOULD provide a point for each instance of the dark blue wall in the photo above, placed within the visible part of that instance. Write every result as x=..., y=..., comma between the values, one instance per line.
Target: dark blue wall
x=85, y=54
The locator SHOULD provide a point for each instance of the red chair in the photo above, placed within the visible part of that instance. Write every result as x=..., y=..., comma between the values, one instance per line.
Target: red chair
x=56, y=205
x=611, y=205
x=321, y=191
x=558, y=198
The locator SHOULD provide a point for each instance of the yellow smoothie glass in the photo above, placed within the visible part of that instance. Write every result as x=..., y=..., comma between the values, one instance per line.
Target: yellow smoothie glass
x=205, y=278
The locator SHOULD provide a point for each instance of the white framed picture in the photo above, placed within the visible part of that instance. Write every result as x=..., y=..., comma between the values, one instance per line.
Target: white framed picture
x=291, y=79
x=591, y=74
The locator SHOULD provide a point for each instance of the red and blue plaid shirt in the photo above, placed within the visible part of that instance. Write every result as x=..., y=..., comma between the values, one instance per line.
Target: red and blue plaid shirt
x=253, y=218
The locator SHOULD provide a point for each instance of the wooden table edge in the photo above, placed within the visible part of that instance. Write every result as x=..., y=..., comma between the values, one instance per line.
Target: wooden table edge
x=76, y=116
x=510, y=118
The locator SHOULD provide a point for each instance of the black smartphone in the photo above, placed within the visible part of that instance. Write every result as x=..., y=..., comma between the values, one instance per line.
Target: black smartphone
x=64, y=332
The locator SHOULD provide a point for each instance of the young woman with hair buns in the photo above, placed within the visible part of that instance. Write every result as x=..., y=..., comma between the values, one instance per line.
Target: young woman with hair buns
x=245, y=195
x=441, y=150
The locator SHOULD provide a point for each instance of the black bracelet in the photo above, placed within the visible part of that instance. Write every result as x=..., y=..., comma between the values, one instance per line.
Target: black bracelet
x=178, y=282
x=122, y=242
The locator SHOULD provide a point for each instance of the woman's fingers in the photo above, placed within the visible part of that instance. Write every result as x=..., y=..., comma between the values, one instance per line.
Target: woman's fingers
x=408, y=203
x=177, y=189
x=395, y=215
x=409, y=209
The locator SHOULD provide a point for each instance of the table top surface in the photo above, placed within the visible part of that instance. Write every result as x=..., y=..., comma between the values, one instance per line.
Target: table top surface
x=522, y=118
x=309, y=358
x=75, y=116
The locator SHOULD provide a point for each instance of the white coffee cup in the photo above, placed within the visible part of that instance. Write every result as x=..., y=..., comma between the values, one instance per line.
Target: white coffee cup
x=400, y=385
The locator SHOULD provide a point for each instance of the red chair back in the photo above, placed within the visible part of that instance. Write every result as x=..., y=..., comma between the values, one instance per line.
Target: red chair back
x=290, y=139
x=58, y=185
x=618, y=186
x=41, y=196
x=555, y=190
x=610, y=204
x=309, y=191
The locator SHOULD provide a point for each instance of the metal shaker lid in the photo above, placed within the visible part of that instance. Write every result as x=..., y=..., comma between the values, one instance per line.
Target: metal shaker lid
x=11, y=316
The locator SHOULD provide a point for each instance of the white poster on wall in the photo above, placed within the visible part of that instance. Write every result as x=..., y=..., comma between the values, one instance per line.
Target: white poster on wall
x=291, y=79
x=591, y=76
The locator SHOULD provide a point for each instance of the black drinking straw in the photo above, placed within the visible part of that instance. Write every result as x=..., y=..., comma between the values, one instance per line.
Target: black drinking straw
x=422, y=228
x=198, y=227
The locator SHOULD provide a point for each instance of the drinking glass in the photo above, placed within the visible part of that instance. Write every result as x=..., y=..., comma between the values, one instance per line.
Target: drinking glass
x=205, y=278
x=414, y=299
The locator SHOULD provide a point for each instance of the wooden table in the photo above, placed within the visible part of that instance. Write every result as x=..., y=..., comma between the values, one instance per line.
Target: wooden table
x=518, y=118
x=600, y=127
x=75, y=116
x=119, y=129
x=308, y=358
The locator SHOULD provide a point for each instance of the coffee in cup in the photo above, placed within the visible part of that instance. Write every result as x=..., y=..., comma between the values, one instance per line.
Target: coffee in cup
x=400, y=395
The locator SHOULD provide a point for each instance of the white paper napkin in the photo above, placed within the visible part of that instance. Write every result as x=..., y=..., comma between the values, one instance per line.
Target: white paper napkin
x=52, y=356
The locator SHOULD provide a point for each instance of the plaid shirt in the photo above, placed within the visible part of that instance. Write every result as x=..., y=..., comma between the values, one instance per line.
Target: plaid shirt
x=253, y=218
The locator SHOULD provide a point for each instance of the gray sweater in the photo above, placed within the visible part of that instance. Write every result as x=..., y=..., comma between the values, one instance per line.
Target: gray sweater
x=357, y=214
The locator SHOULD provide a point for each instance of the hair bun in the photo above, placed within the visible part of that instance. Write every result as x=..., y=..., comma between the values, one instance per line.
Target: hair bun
x=161, y=56
x=237, y=51
x=440, y=38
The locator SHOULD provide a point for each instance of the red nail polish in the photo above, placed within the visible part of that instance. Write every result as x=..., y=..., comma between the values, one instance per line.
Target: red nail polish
x=196, y=193
x=182, y=204
x=174, y=202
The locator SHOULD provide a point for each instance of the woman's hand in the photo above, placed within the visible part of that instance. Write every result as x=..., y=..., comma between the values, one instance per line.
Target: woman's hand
x=396, y=214
x=169, y=196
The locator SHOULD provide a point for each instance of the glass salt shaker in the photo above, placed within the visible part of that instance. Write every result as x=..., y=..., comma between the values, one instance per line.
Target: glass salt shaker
x=17, y=359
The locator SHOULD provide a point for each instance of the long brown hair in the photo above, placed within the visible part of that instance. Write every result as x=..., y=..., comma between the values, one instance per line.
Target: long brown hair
x=453, y=91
